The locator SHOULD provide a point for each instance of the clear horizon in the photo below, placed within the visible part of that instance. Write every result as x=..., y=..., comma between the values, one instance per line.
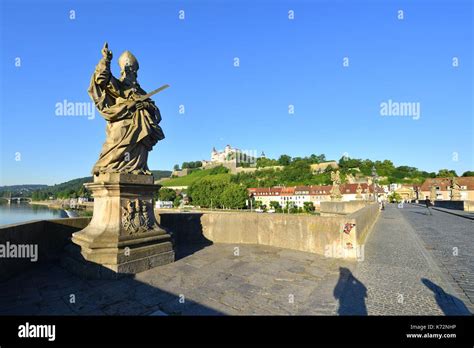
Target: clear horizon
x=421, y=64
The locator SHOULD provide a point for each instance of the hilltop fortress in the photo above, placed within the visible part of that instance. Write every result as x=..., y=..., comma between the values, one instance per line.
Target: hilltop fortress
x=243, y=161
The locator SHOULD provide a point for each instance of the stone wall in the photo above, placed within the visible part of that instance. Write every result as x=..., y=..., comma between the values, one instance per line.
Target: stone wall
x=323, y=235
x=333, y=208
x=365, y=219
x=457, y=205
x=180, y=173
x=469, y=206
x=335, y=236
x=50, y=236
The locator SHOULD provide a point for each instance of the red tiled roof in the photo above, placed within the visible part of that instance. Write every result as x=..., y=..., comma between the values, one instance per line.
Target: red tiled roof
x=312, y=190
x=265, y=191
x=352, y=188
x=444, y=184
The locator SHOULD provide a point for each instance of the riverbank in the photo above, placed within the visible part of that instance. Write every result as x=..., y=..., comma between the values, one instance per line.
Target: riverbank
x=65, y=204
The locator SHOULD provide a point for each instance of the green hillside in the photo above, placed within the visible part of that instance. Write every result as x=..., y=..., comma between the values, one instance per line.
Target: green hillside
x=196, y=175
x=74, y=188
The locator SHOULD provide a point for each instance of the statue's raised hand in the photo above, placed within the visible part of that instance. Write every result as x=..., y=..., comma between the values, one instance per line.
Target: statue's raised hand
x=106, y=53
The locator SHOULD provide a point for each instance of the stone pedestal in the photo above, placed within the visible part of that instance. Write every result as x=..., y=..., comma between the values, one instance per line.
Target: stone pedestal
x=123, y=235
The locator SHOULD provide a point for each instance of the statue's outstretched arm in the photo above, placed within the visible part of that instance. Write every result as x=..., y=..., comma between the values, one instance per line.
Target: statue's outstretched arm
x=102, y=71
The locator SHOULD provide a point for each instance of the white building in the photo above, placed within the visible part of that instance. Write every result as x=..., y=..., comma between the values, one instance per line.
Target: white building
x=298, y=195
x=163, y=204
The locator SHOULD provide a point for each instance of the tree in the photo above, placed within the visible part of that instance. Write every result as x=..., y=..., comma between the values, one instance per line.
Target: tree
x=266, y=162
x=298, y=171
x=308, y=207
x=321, y=158
x=284, y=160
x=234, y=196
x=294, y=210
x=384, y=168
x=176, y=167
x=468, y=173
x=207, y=192
x=166, y=194
x=218, y=170
x=177, y=201
x=275, y=205
x=394, y=197
x=446, y=173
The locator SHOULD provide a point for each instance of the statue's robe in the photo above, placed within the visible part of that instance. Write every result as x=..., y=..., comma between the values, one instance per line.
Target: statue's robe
x=131, y=134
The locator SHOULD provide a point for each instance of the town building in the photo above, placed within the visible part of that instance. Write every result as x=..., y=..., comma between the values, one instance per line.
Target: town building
x=163, y=204
x=407, y=192
x=442, y=188
x=298, y=195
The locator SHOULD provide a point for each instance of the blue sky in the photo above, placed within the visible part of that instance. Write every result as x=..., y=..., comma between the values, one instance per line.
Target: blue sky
x=282, y=62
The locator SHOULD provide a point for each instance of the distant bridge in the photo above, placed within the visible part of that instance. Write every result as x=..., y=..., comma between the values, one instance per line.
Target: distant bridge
x=17, y=199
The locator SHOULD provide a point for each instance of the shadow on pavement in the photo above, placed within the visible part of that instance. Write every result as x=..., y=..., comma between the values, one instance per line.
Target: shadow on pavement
x=449, y=304
x=350, y=293
x=421, y=213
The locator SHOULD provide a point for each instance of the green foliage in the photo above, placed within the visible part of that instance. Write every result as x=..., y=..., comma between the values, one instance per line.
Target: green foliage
x=86, y=213
x=69, y=189
x=191, y=178
x=394, y=197
x=385, y=169
x=166, y=194
x=275, y=205
x=208, y=191
x=218, y=170
x=468, y=173
x=217, y=191
x=284, y=160
x=294, y=210
x=190, y=165
x=176, y=167
x=234, y=196
x=39, y=196
x=309, y=207
x=446, y=173
x=177, y=201
x=266, y=162
x=75, y=188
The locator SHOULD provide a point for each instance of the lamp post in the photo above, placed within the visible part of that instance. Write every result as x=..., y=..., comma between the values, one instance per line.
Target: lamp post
x=374, y=178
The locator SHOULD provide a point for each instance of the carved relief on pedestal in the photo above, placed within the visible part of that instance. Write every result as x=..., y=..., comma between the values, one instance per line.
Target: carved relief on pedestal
x=137, y=217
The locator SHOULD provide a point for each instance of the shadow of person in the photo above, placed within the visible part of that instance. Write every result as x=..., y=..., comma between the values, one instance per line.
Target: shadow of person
x=449, y=304
x=350, y=293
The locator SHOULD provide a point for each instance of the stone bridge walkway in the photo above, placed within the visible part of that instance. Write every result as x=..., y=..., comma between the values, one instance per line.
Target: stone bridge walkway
x=398, y=275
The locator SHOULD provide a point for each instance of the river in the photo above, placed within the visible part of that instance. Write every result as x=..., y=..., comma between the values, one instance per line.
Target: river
x=15, y=213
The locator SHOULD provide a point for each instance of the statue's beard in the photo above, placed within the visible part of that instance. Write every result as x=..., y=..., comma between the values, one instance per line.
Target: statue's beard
x=130, y=78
